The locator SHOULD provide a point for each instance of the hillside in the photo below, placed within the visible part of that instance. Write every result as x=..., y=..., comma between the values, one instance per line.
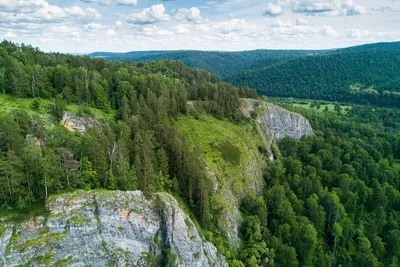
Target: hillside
x=156, y=164
x=219, y=63
x=229, y=63
x=357, y=77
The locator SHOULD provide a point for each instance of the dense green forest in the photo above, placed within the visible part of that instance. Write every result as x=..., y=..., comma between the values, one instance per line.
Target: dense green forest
x=331, y=199
x=365, y=74
x=367, y=77
x=219, y=63
x=139, y=149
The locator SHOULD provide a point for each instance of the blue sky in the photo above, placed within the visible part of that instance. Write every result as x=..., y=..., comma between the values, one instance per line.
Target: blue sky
x=83, y=26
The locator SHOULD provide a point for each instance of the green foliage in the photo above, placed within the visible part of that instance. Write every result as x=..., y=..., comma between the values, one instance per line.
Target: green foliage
x=362, y=77
x=229, y=152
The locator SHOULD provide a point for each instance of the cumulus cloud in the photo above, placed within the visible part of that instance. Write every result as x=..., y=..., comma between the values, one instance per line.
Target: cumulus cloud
x=235, y=25
x=328, y=7
x=153, y=30
x=83, y=14
x=281, y=23
x=112, y=2
x=153, y=14
x=357, y=33
x=294, y=31
x=118, y=23
x=385, y=9
x=329, y=31
x=273, y=10
x=192, y=14
x=93, y=26
x=26, y=6
x=301, y=22
x=110, y=32
x=65, y=30
x=182, y=28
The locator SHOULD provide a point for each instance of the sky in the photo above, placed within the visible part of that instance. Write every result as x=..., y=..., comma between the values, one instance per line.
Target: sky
x=84, y=26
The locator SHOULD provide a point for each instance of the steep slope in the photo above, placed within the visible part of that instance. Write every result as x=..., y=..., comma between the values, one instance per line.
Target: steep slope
x=360, y=77
x=101, y=228
x=236, y=155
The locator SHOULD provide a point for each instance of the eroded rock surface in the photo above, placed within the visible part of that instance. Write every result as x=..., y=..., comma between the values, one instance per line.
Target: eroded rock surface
x=108, y=228
x=74, y=122
x=279, y=122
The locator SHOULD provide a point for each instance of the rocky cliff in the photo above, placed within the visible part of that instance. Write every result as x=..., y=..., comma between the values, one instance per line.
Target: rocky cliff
x=107, y=228
x=278, y=122
x=274, y=122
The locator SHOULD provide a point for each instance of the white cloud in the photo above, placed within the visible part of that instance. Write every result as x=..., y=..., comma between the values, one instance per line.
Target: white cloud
x=357, y=33
x=385, y=9
x=87, y=14
x=301, y=22
x=273, y=10
x=182, y=28
x=10, y=35
x=65, y=30
x=192, y=14
x=26, y=6
x=127, y=2
x=112, y=2
x=235, y=25
x=93, y=26
x=110, y=32
x=149, y=15
x=118, y=23
x=329, y=31
x=328, y=7
x=281, y=23
x=152, y=31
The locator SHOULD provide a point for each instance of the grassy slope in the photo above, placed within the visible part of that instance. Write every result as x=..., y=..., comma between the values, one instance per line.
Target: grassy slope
x=9, y=103
x=222, y=143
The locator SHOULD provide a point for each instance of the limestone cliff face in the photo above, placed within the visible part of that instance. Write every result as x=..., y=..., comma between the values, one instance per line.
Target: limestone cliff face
x=107, y=228
x=278, y=122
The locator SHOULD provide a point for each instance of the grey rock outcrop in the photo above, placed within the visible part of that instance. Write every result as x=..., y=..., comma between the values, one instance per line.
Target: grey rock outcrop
x=278, y=122
x=74, y=122
x=108, y=228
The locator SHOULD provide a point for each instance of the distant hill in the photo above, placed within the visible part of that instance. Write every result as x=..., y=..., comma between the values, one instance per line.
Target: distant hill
x=388, y=46
x=220, y=63
x=360, y=74
x=369, y=76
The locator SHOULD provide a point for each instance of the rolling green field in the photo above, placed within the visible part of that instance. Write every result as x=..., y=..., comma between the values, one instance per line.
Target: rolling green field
x=331, y=107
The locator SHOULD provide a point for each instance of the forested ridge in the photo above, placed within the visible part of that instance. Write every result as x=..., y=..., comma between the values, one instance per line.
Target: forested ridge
x=364, y=74
x=366, y=77
x=216, y=62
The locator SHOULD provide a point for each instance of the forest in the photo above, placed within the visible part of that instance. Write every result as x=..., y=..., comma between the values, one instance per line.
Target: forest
x=331, y=199
x=139, y=149
x=365, y=77
x=218, y=63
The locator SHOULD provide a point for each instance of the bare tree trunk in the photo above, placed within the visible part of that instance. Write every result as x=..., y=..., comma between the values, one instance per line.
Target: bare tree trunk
x=111, y=153
x=45, y=186
x=2, y=80
x=33, y=85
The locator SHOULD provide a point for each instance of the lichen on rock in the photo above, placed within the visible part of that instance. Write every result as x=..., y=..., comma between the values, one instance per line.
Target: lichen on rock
x=100, y=228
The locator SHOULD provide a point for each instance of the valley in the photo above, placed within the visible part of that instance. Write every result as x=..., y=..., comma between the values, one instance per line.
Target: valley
x=117, y=163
